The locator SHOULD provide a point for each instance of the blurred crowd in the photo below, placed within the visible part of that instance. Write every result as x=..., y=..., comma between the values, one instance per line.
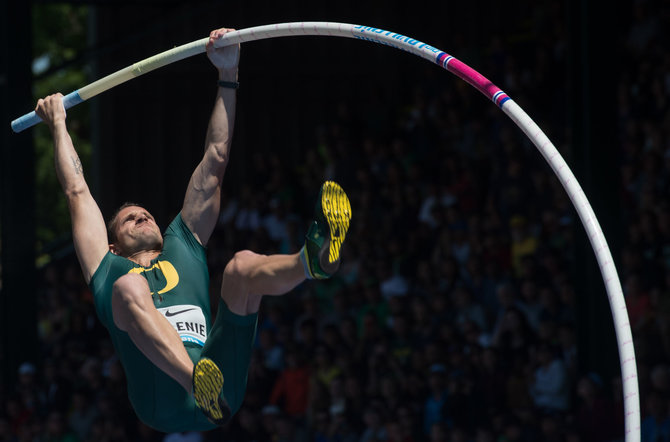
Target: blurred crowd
x=453, y=315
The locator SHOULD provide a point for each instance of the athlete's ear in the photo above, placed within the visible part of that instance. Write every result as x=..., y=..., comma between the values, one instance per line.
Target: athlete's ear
x=113, y=249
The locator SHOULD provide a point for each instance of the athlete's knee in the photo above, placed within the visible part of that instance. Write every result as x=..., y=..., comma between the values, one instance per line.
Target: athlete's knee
x=242, y=265
x=130, y=293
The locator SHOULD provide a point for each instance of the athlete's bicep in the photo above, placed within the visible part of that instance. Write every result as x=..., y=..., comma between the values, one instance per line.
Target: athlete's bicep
x=203, y=195
x=89, y=232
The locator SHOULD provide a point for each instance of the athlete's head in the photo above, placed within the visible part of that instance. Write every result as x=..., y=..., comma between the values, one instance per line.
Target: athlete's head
x=132, y=229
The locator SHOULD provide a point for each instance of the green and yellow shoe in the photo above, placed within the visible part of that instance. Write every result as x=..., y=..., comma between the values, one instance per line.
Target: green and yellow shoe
x=326, y=233
x=208, y=392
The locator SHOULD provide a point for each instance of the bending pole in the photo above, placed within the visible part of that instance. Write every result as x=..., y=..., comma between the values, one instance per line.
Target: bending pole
x=479, y=82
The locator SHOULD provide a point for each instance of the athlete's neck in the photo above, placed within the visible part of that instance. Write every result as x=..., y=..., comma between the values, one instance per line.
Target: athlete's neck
x=144, y=257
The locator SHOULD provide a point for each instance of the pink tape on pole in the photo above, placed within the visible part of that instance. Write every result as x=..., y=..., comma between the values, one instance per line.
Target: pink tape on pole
x=472, y=77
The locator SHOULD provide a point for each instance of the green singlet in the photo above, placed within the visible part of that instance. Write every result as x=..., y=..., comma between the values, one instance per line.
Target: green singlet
x=179, y=282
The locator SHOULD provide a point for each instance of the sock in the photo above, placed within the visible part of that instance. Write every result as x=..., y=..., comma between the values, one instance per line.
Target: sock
x=305, y=264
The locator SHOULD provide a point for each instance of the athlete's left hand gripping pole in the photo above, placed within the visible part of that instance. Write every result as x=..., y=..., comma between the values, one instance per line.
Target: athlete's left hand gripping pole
x=30, y=119
x=164, y=58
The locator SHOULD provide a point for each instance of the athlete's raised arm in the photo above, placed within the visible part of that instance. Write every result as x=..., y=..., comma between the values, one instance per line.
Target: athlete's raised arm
x=88, y=225
x=202, y=201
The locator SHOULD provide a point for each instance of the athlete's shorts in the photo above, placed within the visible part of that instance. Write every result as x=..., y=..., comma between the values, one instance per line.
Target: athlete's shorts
x=161, y=402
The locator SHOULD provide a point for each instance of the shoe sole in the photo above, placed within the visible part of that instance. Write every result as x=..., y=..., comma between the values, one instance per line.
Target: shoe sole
x=337, y=211
x=207, y=385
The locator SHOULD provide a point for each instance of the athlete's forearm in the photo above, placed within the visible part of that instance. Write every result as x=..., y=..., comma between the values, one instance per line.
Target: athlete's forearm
x=222, y=120
x=68, y=165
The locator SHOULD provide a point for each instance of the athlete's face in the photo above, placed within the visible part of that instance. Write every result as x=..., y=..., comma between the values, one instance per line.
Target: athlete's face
x=136, y=231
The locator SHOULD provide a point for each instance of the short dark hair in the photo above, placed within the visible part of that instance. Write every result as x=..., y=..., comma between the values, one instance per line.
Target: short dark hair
x=113, y=221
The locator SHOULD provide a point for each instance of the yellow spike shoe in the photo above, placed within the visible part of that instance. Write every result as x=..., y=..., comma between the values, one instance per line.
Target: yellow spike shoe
x=208, y=392
x=326, y=234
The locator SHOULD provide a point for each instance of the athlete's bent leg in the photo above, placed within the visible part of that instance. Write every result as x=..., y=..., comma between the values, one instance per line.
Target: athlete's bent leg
x=135, y=313
x=249, y=276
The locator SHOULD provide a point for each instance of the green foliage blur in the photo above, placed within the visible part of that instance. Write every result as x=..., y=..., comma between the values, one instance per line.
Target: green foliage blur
x=59, y=35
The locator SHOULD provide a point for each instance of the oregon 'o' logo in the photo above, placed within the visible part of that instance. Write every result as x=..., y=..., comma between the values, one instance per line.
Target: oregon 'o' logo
x=169, y=272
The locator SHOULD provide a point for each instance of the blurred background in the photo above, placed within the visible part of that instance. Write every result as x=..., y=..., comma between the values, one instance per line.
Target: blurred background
x=469, y=305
